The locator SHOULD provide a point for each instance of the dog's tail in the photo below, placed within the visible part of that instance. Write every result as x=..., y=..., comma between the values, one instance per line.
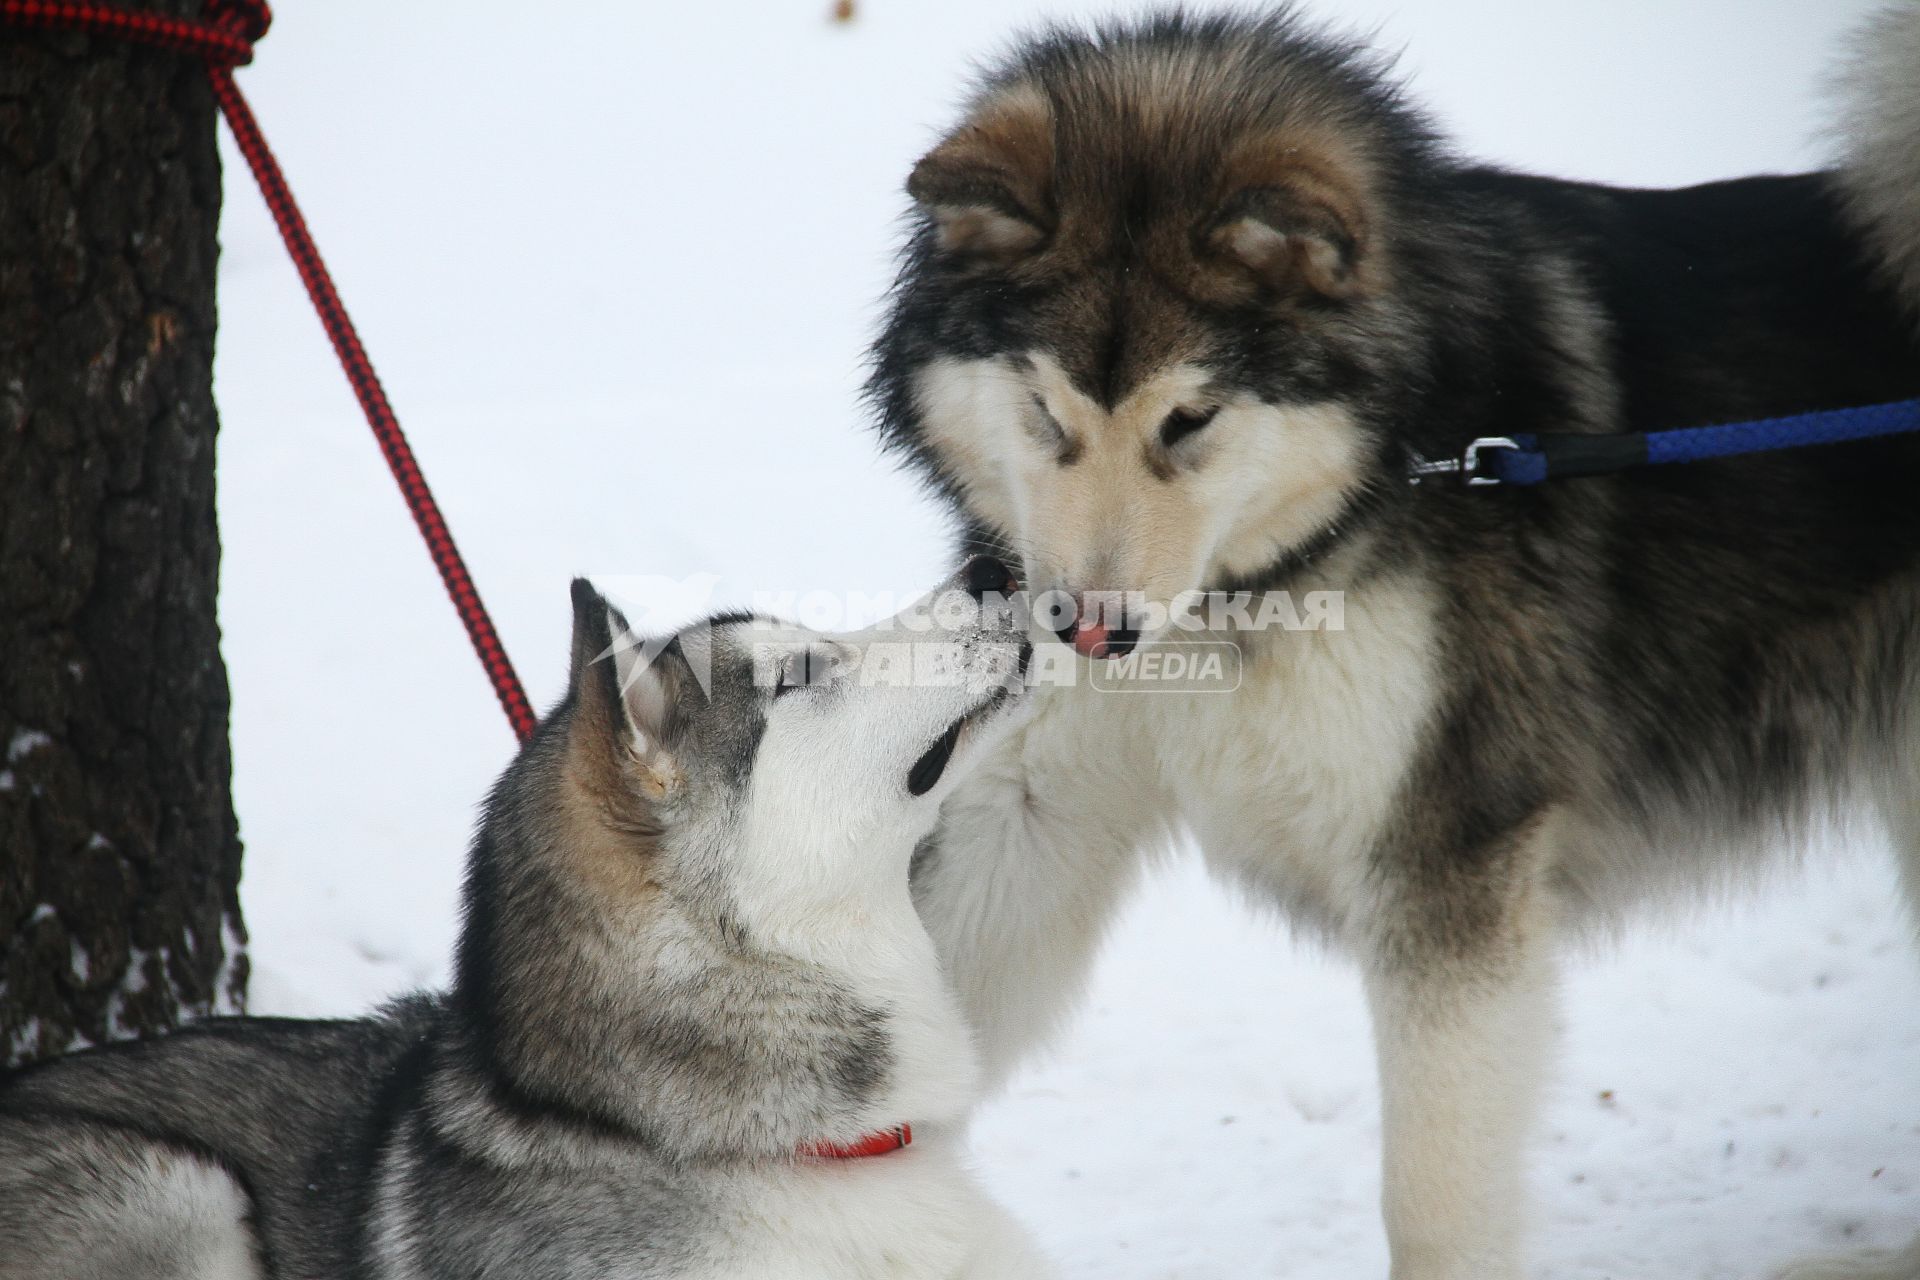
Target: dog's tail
x=1879, y=129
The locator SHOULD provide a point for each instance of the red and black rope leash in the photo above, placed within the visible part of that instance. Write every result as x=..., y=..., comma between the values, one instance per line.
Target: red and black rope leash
x=224, y=39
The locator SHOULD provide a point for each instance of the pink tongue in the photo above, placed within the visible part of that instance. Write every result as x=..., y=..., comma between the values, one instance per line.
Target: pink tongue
x=1089, y=636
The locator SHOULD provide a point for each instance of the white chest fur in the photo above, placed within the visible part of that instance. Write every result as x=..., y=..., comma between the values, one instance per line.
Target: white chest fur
x=1287, y=781
x=912, y=1215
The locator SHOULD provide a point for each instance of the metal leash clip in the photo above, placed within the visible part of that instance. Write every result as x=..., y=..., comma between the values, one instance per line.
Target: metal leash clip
x=1466, y=466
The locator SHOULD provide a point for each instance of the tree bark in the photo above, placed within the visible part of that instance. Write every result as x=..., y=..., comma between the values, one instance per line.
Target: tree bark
x=119, y=851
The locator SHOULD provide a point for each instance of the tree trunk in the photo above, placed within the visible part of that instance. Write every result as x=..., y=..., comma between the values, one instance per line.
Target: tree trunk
x=119, y=852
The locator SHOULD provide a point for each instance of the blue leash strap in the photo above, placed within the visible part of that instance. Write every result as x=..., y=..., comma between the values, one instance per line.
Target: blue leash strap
x=1530, y=459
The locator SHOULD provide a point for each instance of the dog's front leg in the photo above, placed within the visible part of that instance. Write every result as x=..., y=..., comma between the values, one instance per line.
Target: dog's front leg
x=1463, y=1043
x=1032, y=859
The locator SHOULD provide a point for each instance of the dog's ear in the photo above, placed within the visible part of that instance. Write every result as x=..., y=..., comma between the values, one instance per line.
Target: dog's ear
x=1294, y=218
x=623, y=693
x=988, y=187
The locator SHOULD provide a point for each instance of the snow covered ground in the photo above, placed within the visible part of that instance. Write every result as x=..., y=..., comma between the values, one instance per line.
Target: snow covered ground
x=617, y=263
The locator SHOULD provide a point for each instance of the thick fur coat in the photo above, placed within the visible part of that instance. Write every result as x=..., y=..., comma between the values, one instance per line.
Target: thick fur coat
x=690, y=969
x=1183, y=302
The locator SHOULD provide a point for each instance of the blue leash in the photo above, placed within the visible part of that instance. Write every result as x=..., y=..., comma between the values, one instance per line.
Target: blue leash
x=1530, y=459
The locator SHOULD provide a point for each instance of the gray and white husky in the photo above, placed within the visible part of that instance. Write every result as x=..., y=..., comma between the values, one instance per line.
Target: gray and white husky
x=1184, y=301
x=694, y=1012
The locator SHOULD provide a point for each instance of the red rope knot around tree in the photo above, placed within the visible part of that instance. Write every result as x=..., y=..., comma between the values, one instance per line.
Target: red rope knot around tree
x=224, y=37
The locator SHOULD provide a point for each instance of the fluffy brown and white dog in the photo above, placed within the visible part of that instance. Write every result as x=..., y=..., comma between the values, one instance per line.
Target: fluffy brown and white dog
x=1183, y=302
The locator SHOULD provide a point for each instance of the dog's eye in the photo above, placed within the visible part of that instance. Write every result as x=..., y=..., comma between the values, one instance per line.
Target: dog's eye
x=800, y=670
x=1047, y=428
x=1182, y=423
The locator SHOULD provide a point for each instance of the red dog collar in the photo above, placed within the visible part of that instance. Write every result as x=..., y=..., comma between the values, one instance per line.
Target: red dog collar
x=873, y=1144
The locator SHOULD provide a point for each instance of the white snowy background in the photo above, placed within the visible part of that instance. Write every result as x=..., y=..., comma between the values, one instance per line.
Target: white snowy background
x=617, y=263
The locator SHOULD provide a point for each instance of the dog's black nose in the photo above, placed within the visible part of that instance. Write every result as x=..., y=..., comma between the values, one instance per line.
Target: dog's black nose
x=985, y=574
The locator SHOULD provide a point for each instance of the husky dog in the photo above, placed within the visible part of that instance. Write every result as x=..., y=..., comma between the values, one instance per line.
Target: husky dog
x=1183, y=302
x=691, y=995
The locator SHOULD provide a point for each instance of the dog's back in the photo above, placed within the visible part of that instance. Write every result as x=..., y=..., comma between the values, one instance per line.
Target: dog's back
x=219, y=1137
